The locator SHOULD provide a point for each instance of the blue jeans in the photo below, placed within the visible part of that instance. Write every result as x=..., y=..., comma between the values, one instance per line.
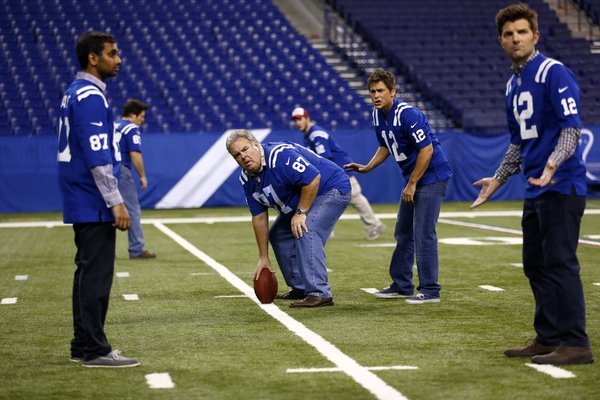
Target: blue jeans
x=302, y=261
x=415, y=234
x=550, y=236
x=132, y=203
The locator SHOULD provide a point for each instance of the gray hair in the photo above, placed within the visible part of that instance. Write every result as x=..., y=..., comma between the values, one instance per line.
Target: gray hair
x=240, y=134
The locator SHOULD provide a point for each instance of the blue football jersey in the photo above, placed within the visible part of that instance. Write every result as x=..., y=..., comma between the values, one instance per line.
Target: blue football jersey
x=85, y=140
x=405, y=131
x=288, y=167
x=131, y=139
x=321, y=142
x=541, y=101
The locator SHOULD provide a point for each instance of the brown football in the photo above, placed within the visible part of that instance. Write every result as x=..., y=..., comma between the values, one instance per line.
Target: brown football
x=265, y=287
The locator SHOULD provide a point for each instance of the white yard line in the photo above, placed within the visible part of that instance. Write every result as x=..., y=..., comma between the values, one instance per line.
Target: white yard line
x=21, y=277
x=159, y=381
x=9, y=300
x=131, y=297
x=551, y=370
x=443, y=219
x=123, y=274
x=383, y=368
x=500, y=229
x=361, y=375
x=370, y=290
x=491, y=288
x=247, y=218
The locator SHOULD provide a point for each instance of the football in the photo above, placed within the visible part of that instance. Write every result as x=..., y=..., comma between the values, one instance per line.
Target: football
x=265, y=287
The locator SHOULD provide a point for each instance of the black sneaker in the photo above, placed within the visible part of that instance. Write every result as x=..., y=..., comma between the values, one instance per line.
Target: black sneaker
x=421, y=298
x=389, y=293
x=114, y=359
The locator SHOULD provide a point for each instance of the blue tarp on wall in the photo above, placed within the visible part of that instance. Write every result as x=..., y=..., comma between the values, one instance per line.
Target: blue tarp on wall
x=28, y=172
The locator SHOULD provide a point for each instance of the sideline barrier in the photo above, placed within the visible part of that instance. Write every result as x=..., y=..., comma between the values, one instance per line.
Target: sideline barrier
x=28, y=171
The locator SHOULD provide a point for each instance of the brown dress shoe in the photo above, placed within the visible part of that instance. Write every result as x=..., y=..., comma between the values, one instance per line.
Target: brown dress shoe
x=564, y=355
x=291, y=295
x=313, y=301
x=533, y=348
x=144, y=255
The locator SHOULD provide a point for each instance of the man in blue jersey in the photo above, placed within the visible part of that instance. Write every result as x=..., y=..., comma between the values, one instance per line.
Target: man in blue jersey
x=403, y=131
x=88, y=160
x=134, y=113
x=542, y=108
x=322, y=142
x=309, y=193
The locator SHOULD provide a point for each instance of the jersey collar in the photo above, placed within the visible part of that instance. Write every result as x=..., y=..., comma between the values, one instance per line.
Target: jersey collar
x=93, y=79
x=517, y=69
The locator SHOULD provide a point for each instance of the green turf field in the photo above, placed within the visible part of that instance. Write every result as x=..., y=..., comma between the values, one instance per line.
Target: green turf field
x=193, y=322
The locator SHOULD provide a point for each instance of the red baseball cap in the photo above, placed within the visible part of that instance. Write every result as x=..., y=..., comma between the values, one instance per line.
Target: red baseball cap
x=299, y=112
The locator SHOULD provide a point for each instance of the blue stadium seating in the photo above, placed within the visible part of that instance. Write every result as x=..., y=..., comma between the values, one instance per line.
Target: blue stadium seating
x=449, y=49
x=202, y=65
x=591, y=8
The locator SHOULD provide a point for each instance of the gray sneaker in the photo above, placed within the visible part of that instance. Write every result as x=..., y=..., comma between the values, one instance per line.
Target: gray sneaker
x=389, y=293
x=114, y=359
x=373, y=234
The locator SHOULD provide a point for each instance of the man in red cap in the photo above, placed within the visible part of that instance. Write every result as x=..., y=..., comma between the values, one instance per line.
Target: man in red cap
x=321, y=142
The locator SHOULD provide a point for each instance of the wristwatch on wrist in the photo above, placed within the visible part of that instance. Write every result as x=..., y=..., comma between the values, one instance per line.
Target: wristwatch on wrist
x=300, y=211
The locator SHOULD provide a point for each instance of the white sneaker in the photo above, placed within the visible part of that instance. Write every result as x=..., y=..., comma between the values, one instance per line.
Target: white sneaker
x=373, y=234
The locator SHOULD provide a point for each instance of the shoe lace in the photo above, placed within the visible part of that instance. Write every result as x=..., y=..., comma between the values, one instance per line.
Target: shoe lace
x=420, y=296
x=116, y=355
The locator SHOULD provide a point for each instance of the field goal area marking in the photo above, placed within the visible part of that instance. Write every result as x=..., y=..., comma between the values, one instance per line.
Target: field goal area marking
x=361, y=375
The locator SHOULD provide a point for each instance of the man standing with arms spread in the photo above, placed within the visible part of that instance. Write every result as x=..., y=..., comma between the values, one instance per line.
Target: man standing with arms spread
x=321, y=142
x=403, y=131
x=310, y=193
x=542, y=108
x=134, y=113
x=88, y=154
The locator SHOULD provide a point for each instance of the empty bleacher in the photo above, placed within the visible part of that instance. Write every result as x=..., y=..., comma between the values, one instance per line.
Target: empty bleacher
x=591, y=8
x=202, y=65
x=449, y=49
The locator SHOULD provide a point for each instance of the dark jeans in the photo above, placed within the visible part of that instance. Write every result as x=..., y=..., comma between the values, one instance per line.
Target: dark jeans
x=550, y=235
x=416, y=234
x=95, y=260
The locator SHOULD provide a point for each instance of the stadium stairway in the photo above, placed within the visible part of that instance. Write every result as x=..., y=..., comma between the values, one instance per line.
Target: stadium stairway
x=573, y=14
x=465, y=78
x=351, y=56
x=221, y=64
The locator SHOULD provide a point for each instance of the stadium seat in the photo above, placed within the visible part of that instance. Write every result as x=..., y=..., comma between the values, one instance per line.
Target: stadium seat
x=242, y=49
x=448, y=49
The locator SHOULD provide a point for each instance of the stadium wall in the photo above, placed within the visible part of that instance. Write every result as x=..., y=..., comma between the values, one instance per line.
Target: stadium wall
x=194, y=170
